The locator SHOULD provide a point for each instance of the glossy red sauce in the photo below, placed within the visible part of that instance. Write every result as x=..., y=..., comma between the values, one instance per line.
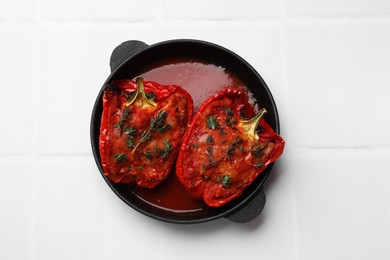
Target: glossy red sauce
x=201, y=80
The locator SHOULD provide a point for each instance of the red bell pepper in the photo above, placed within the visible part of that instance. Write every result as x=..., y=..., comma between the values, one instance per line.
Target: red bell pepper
x=141, y=130
x=223, y=151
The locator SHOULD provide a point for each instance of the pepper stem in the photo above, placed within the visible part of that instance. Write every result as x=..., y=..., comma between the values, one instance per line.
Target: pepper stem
x=140, y=95
x=250, y=125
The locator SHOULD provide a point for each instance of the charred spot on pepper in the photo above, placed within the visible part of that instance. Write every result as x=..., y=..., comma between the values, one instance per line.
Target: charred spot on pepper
x=114, y=88
x=256, y=151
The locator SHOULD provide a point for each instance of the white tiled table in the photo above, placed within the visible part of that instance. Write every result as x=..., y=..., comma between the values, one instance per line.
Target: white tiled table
x=327, y=64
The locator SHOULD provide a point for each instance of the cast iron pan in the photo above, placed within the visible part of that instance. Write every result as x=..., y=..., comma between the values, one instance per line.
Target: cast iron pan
x=127, y=60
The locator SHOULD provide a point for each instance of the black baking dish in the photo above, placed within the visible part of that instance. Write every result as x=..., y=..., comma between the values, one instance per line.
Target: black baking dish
x=126, y=61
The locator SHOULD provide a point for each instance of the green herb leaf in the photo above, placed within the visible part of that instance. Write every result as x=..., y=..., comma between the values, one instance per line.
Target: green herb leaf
x=130, y=131
x=118, y=125
x=222, y=132
x=167, y=149
x=125, y=116
x=212, y=122
x=120, y=157
x=229, y=112
x=156, y=124
x=210, y=139
x=225, y=180
x=164, y=128
x=203, y=166
x=195, y=146
x=130, y=143
x=148, y=155
x=233, y=146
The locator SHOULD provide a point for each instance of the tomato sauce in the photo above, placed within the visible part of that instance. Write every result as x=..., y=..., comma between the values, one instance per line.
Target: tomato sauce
x=201, y=80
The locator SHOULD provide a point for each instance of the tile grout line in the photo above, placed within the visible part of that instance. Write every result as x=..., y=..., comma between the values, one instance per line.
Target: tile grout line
x=33, y=198
x=286, y=91
x=307, y=18
x=34, y=152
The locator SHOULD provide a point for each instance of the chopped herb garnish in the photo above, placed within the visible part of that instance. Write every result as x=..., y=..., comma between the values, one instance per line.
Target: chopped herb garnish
x=167, y=149
x=141, y=167
x=212, y=122
x=222, y=132
x=229, y=116
x=203, y=166
x=130, y=131
x=118, y=125
x=225, y=180
x=164, y=128
x=210, y=158
x=146, y=135
x=210, y=139
x=120, y=157
x=209, y=150
x=232, y=147
x=125, y=115
x=148, y=155
x=229, y=112
x=130, y=143
x=224, y=141
x=156, y=124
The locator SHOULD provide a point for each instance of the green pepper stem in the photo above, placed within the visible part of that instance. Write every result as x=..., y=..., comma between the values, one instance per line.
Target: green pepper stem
x=250, y=125
x=140, y=95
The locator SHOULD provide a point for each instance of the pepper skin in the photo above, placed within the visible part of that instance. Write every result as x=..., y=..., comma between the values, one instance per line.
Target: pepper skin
x=222, y=152
x=142, y=128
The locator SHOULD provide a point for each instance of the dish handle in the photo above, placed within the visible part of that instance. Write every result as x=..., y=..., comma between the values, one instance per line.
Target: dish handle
x=124, y=51
x=250, y=211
